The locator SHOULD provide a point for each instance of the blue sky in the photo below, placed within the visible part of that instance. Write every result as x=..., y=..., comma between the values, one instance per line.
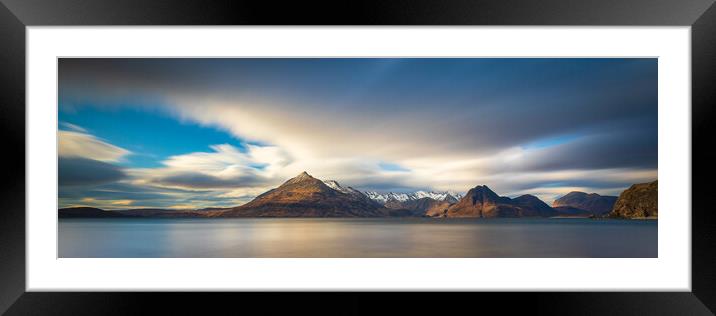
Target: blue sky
x=217, y=132
x=151, y=135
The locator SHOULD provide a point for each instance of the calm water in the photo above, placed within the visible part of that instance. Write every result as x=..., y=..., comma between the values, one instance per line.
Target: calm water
x=398, y=237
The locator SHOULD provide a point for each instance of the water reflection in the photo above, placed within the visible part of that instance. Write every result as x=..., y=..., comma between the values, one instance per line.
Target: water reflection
x=372, y=238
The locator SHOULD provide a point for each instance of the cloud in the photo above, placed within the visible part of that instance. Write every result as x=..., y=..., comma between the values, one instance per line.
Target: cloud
x=519, y=125
x=610, y=147
x=73, y=171
x=124, y=194
x=82, y=145
x=198, y=180
x=73, y=127
x=85, y=160
x=309, y=106
x=201, y=179
x=226, y=167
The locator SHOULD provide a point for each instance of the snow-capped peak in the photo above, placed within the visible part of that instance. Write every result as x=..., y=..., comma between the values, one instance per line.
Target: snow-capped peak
x=402, y=197
x=433, y=195
x=382, y=197
x=333, y=184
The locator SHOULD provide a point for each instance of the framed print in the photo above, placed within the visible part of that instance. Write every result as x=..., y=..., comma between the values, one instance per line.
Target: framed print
x=474, y=148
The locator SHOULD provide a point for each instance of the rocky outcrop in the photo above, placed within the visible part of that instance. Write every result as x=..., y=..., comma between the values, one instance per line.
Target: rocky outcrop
x=580, y=203
x=639, y=201
x=306, y=196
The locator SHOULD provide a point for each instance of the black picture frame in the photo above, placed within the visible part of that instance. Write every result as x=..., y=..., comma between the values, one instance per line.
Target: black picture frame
x=15, y=15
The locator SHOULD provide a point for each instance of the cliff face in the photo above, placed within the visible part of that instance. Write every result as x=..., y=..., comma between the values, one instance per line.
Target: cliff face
x=639, y=201
x=582, y=203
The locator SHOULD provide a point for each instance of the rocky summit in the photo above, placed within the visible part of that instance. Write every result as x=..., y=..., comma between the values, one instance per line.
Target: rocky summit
x=639, y=201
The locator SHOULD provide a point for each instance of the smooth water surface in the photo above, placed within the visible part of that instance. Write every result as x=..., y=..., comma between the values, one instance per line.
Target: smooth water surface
x=372, y=238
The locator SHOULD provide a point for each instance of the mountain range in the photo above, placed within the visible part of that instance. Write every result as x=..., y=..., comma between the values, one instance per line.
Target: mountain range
x=419, y=203
x=306, y=196
x=404, y=197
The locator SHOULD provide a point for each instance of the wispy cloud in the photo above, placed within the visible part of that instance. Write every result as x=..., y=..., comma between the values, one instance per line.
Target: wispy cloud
x=224, y=167
x=81, y=145
x=73, y=127
x=85, y=160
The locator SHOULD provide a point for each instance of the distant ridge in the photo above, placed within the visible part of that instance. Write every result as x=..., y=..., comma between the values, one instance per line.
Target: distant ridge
x=93, y=212
x=576, y=203
x=88, y=212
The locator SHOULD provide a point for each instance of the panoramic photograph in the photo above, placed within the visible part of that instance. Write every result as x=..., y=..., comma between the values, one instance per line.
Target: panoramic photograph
x=357, y=158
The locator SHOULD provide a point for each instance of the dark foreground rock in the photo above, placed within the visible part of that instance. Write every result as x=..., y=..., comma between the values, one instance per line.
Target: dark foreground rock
x=639, y=201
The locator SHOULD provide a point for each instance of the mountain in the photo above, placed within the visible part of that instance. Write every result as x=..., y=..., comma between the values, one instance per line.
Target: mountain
x=383, y=198
x=88, y=212
x=638, y=201
x=482, y=202
x=580, y=203
x=306, y=196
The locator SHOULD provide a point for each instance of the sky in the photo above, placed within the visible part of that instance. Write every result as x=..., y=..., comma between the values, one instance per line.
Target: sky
x=206, y=132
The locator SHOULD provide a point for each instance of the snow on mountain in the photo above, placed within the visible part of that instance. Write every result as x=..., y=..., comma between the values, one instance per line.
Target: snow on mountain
x=333, y=184
x=402, y=197
x=438, y=196
x=383, y=197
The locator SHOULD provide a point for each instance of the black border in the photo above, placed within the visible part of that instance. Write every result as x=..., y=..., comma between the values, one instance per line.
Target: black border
x=15, y=15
